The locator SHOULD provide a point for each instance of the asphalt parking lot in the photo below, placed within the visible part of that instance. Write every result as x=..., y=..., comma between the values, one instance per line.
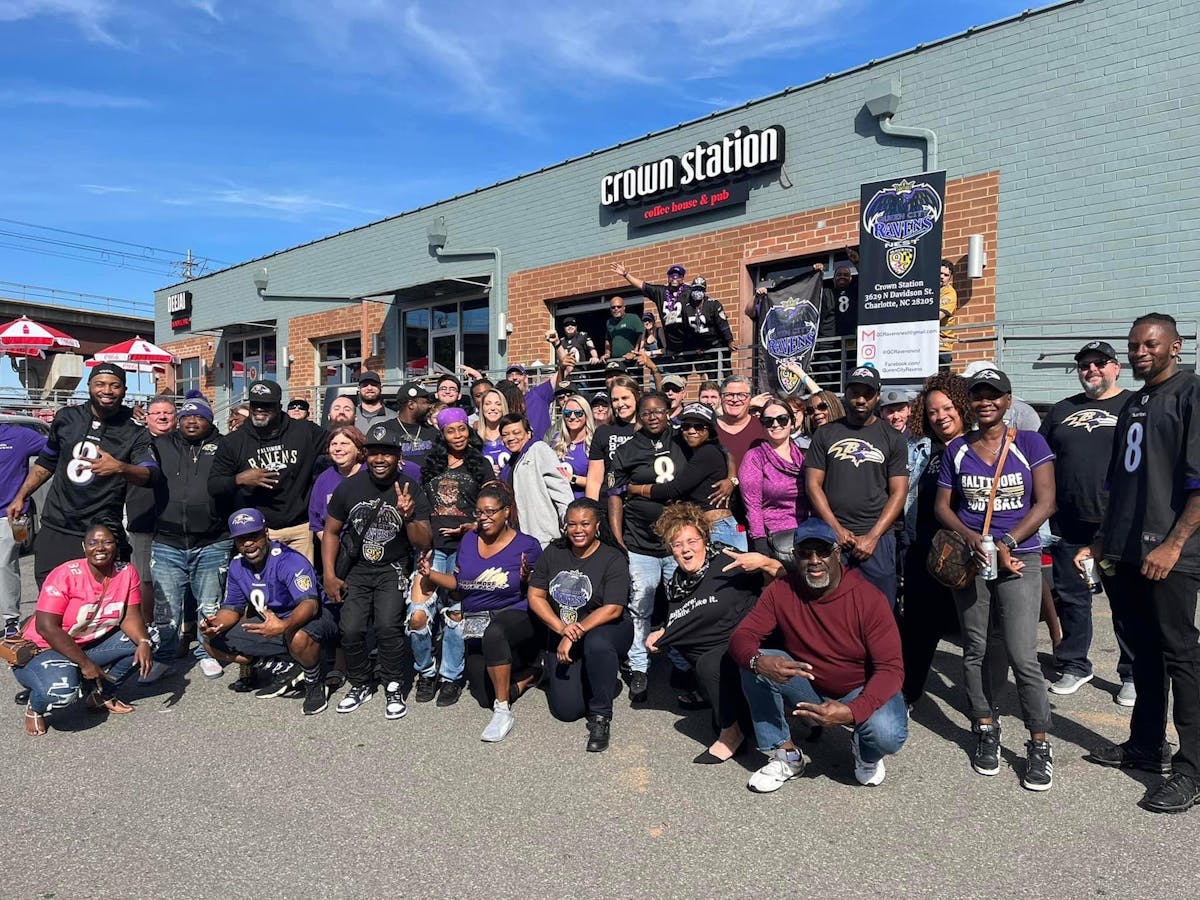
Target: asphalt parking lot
x=203, y=793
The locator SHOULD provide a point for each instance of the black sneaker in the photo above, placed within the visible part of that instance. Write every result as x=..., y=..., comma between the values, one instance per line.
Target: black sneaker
x=21, y=697
x=356, y=697
x=1177, y=794
x=284, y=679
x=448, y=693
x=12, y=627
x=426, y=688
x=1127, y=756
x=316, y=698
x=247, y=679
x=599, y=730
x=986, y=758
x=1039, y=766
x=396, y=708
x=639, y=687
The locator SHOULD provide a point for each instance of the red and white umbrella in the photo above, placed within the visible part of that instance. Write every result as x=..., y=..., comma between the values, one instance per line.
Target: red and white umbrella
x=26, y=334
x=140, y=368
x=135, y=350
x=22, y=352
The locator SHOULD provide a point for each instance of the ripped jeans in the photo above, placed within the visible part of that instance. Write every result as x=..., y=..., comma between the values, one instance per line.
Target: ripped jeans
x=54, y=681
x=175, y=573
x=421, y=640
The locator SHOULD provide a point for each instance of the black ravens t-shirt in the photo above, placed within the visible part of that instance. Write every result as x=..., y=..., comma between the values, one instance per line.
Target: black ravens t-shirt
x=645, y=460
x=857, y=461
x=385, y=542
x=415, y=440
x=576, y=587
x=1155, y=465
x=77, y=495
x=1080, y=431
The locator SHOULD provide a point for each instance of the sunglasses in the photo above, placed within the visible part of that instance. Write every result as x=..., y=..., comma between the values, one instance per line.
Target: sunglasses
x=672, y=389
x=572, y=413
x=776, y=421
x=1087, y=364
x=693, y=426
x=817, y=407
x=616, y=307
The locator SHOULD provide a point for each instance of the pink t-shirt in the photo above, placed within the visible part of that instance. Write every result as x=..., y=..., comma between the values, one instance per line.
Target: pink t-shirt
x=87, y=615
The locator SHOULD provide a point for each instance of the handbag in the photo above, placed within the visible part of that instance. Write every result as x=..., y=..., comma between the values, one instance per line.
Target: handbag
x=475, y=624
x=783, y=547
x=951, y=561
x=350, y=549
x=18, y=650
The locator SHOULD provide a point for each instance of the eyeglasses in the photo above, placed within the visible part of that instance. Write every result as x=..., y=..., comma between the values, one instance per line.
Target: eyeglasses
x=816, y=407
x=776, y=421
x=489, y=513
x=572, y=413
x=736, y=395
x=1088, y=363
x=652, y=413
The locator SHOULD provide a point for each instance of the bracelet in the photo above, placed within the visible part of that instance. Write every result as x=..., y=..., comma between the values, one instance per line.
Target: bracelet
x=146, y=641
x=1009, y=541
x=754, y=662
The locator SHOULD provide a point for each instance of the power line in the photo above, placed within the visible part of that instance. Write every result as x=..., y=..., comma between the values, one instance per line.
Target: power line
x=96, y=237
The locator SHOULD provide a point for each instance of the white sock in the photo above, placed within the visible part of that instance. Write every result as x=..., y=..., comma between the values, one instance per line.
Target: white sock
x=501, y=705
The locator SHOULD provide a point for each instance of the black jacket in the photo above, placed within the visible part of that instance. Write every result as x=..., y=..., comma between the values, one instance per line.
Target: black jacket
x=191, y=516
x=709, y=324
x=290, y=450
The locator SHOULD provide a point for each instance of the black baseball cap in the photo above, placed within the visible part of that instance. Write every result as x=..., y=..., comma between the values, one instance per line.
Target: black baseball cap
x=864, y=375
x=569, y=320
x=1104, y=348
x=369, y=378
x=412, y=391
x=600, y=398
x=698, y=412
x=992, y=377
x=299, y=404
x=615, y=365
x=265, y=393
x=382, y=436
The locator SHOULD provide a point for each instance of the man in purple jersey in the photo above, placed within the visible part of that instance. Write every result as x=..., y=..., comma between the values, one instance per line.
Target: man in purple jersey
x=272, y=615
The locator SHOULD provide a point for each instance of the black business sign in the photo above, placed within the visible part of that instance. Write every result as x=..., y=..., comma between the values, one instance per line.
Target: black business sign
x=690, y=204
x=179, y=307
x=697, y=171
x=900, y=254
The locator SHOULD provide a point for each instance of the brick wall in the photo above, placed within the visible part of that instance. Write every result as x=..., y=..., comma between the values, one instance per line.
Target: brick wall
x=305, y=332
x=200, y=346
x=723, y=258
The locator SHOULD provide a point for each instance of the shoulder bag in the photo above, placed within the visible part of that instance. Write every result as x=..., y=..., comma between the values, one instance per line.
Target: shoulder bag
x=951, y=560
x=349, y=548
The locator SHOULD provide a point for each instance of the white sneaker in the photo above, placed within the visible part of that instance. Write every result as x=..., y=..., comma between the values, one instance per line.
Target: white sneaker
x=157, y=671
x=210, y=668
x=501, y=724
x=783, y=766
x=1127, y=695
x=865, y=772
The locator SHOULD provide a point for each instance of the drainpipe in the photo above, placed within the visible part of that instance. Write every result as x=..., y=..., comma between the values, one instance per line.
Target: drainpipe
x=928, y=135
x=497, y=299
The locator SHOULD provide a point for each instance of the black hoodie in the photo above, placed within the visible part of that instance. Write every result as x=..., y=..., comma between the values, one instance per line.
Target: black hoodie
x=290, y=450
x=191, y=516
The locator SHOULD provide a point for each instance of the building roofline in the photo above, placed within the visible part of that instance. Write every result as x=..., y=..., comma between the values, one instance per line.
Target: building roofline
x=834, y=76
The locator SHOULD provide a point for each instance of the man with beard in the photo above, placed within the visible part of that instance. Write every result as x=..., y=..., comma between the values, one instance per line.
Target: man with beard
x=858, y=480
x=267, y=464
x=191, y=547
x=1150, y=535
x=1080, y=431
x=411, y=429
x=96, y=450
x=272, y=618
x=839, y=662
x=370, y=402
x=669, y=298
x=387, y=516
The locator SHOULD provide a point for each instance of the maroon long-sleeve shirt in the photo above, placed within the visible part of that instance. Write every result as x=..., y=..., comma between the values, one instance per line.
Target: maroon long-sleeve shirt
x=848, y=636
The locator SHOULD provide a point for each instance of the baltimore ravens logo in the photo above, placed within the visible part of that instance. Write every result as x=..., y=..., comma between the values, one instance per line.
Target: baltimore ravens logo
x=1091, y=419
x=260, y=390
x=243, y=519
x=857, y=451
x=378, y=433
x=302, y=581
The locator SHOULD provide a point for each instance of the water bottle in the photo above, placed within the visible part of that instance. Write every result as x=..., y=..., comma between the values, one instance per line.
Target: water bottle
x=1090, y=576
x=989, y=569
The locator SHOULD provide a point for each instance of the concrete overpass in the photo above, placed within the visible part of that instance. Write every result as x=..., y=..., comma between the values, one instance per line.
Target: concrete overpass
x=95, y=329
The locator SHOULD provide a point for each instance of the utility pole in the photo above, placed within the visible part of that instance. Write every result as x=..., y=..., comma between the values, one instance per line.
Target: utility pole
x=188, y=264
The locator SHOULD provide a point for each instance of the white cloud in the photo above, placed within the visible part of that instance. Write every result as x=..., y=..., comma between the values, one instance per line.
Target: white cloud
x=37, y=95
x=92, y=17
x=104, y=189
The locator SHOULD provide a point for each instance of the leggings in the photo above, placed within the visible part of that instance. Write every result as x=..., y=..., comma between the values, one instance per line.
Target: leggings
x=588, y=683
x=720, y=681
x=514, y=637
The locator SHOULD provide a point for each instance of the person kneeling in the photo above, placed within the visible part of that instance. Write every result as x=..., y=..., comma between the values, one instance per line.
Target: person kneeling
x=840, y=663
x=272, y=617
x=86, y=629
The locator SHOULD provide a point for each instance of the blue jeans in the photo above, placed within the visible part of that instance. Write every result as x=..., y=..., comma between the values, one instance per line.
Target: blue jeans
x=726, y=532
x=53, y=680
x=422, y=639
x=175, y=572
x=880, y=567
x=645, y=573
x=883, y=734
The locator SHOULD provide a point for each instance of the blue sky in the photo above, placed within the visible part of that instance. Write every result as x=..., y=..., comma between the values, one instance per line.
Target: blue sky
x=237, y=129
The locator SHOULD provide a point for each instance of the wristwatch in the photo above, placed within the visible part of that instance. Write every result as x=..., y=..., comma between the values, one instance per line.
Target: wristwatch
x=735, y=481
x=1010, y=542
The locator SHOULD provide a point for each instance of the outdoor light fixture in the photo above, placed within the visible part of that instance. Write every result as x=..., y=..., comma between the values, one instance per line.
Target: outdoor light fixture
x=436, y=234
x=260, y=281
x=976, y=256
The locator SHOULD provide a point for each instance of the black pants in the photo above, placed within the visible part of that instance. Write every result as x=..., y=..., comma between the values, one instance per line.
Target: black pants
x=52, y=548
x=1161, y=625
x=587, y=684
x=720, y=681
x=238, y=641
x=375, y=595
x=514, y=637
x=928, y=614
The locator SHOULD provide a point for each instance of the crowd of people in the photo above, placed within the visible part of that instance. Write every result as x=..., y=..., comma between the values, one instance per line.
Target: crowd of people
x=793, y=559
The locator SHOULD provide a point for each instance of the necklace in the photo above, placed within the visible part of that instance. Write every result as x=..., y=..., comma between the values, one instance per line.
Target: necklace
x=408, y=434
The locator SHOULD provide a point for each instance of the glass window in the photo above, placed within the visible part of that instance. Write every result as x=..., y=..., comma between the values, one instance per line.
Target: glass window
x=188, y=378
x=250, y=359
x=416, y=342
x=442, y=338
x=339, y=360
x=475, y=330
